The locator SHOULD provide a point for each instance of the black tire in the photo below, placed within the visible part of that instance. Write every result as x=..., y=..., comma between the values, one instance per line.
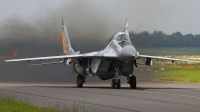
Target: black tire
x=133, y=82
x=113, y=83
x=118, y=84
x=79, y=81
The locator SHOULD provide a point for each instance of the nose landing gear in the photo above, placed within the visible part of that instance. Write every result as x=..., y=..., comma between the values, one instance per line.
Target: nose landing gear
x=116, y=81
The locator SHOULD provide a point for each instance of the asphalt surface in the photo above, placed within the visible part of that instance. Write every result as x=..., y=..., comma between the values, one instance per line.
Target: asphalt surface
x=150, y=96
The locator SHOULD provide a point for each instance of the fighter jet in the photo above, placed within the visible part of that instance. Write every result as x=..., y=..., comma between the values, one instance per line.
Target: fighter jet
x=117, y=59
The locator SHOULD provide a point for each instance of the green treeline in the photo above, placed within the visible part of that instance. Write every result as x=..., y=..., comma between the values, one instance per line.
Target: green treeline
x=160, y=39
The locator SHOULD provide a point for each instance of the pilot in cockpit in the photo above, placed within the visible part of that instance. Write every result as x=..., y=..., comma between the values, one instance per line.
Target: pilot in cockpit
x=123, y=40
x=122, y=37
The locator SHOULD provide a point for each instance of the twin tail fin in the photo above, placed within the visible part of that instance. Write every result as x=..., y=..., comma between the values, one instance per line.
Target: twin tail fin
x=66, y=45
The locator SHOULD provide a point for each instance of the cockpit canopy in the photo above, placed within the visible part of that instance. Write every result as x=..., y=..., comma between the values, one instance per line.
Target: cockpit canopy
x=122, y=37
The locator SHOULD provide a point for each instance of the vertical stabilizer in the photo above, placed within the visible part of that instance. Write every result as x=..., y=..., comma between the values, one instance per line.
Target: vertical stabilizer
x=67, y=49
x=126, y=27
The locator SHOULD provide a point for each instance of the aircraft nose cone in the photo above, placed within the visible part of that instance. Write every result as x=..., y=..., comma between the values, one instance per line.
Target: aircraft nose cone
x=128, y=53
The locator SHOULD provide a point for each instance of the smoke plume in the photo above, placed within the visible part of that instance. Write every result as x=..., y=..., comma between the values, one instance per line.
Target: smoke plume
x=89, y=28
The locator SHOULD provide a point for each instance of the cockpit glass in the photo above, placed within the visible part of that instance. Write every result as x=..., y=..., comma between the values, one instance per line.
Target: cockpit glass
x=122, y=37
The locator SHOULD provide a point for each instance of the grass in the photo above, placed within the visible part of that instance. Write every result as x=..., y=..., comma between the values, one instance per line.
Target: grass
x=167, y=71
x=181, y=76
x=179, y=72
x=11, y=104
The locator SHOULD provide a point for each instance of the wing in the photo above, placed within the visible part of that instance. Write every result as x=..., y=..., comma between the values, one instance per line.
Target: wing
x=164, y=58
x=76, y=56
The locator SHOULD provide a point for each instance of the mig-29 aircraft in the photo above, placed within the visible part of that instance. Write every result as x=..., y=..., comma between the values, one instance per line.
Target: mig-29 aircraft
x=117, y=59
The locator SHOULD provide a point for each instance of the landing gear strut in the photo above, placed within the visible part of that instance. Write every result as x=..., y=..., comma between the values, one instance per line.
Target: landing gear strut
x=80, y=80
x=132, y=81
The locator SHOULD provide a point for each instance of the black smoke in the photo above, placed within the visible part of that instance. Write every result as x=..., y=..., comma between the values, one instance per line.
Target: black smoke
x=88, y=26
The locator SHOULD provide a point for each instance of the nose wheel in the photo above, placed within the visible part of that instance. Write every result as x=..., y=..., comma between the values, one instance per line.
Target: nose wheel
x=115, y=84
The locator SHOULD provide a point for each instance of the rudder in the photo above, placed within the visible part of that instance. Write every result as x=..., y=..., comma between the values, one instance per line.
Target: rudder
x=66, y=45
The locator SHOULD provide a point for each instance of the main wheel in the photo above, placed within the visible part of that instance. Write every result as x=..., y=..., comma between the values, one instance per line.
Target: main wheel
x=113, y=83
x=133, y=82
x=79, y=81
x=118, y=84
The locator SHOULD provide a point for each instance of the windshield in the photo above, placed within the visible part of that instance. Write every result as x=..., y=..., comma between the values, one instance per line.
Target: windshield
x=122, y=37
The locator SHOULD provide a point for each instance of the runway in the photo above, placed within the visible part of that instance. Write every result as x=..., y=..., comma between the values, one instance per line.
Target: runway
x=150, y=96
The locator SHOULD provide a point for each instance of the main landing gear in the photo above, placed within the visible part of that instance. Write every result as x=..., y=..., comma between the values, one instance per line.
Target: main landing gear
x=80, y=80
x=132, y=81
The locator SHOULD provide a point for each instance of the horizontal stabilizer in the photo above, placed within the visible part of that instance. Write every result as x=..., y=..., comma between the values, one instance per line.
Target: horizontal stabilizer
x=46, y=63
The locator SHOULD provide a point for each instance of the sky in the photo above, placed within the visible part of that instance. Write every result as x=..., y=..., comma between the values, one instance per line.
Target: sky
x=25, y=8
x=168, y=16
